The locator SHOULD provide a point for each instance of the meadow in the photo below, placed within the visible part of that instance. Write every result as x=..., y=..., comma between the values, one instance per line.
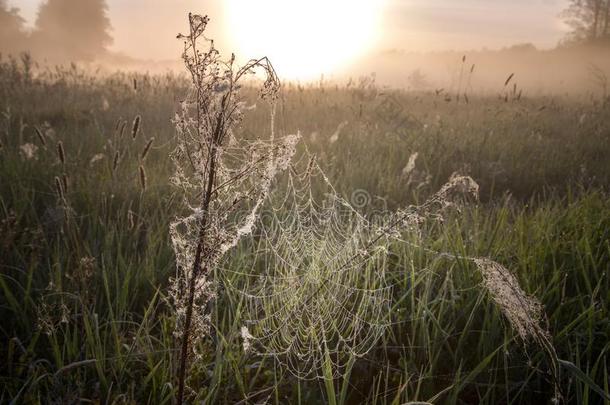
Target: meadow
x=83, y=286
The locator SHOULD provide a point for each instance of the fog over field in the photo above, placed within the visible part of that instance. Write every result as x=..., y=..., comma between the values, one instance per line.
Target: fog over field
x=305, y=202
x=406, y=43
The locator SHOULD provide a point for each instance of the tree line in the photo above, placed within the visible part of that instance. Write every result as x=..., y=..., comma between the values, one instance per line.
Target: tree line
x=63, y=30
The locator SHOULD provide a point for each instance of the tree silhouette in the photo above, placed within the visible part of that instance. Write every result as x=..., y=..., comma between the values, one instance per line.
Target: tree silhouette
x=589, y=20
x=12, y=34
x=72, y=29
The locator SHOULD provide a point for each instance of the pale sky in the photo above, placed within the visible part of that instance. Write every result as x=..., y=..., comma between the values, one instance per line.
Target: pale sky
x=472, y=24
x=146, y=29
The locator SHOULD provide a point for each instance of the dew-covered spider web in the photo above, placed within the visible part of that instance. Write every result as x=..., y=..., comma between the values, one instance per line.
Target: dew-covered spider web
x=315, y=283
x=316, y=294
x=244, y=172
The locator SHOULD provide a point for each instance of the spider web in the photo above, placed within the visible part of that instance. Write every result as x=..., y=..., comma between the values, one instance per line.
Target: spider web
x=245, y=170
x=317, y=294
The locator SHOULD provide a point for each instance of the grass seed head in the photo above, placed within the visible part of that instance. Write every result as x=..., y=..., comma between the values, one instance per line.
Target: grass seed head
x=61, y=153
x=135, y=128
x=41, y=137
x=115, y=161
x=64, y=181
x=146, y=148
x=142, y=178
x=59, y=189
x=122, y=129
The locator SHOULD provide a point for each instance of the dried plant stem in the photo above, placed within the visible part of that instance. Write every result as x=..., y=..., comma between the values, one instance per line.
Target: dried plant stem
x=205, y=236
x=197, y=270
x=205, y=205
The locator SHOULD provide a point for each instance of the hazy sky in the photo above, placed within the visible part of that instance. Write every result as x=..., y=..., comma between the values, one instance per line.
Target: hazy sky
x=472, y=24
x=147, y=28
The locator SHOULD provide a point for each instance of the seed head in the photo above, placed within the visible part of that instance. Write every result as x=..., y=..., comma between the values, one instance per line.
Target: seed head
x=122, y=129
x=59, y=189
x=115, y=161
x=142, y=178
x=61, y=153
x=146, y=148
x=135, y=127
x=41, y=137
x=64, y=181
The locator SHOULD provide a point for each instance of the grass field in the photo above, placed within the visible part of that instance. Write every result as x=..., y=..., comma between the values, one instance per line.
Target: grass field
x=83, y=315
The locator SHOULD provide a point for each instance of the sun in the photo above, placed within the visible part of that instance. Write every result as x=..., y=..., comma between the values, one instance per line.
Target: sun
x=303, y=38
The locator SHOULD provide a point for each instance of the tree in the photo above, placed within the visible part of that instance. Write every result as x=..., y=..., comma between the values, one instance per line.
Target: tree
x=12, y=33
x=418, y=81
x=72, y=29
x=589, y=20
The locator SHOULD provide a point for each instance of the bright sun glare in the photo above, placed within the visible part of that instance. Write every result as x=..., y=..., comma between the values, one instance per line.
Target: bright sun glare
x=304, y=38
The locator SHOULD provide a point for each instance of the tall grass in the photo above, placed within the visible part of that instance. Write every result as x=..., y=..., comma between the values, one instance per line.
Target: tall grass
x=82, y=304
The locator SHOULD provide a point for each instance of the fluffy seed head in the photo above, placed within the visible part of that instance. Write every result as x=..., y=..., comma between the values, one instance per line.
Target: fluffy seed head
x=524, y=312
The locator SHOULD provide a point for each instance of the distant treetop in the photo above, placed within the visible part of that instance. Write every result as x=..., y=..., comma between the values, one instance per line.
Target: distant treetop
x=65, y=30
x=589, y=21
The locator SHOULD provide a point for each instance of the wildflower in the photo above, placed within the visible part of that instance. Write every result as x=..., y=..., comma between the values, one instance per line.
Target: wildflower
x=246, y=337
x=406, y=171
x=96, y=158
x=28, y=151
